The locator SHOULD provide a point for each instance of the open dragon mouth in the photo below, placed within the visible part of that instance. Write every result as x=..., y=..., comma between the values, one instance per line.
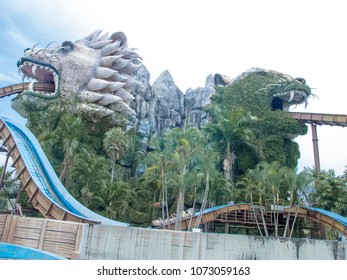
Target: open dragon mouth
x=43, y=73
x=294, y=93
x=292, y=97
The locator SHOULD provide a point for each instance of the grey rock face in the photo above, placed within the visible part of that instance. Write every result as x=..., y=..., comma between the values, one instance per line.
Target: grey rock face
x=164, y=106
x=196, y=100
x=169, y=107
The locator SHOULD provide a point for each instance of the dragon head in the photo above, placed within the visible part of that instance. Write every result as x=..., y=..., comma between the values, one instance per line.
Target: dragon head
x=283, y=90
x=97, y=69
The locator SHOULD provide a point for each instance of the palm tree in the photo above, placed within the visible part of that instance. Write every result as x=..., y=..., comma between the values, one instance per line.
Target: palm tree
x=72, y=134
x=115, y=144
x=295, y=183
x=273, y=174
x=114, y=199
x=256, y=182
x=160, y=164
x=207, y=167
x=87, y=176
x=188, y=143
x=329, y=191
x=231, y=129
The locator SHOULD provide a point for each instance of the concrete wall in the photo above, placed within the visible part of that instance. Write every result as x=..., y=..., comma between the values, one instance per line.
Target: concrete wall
x=107, y=242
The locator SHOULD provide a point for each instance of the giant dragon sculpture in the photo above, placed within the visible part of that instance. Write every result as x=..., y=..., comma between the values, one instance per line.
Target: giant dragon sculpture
x=97, y=69
x=100, y=71
x=99, y=74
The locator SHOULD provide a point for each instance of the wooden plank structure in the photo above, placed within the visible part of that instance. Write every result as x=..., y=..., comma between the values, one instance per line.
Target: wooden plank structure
x=56, y=237
x=215, y=215
x=246, y=214
x=236, y=214
x=318, y=217
x=37, y=198
x=321, y=119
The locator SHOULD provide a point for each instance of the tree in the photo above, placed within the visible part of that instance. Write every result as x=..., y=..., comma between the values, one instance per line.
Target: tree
x=296, y=184
x=329, y=191
x=87, y=176
x=185, y=144
x=254, y=183
x=160, y=164
x=70, y=132
x=114, y=199
x=206, y=166
x=115, y=144
x=273, y=176
x=230, y=130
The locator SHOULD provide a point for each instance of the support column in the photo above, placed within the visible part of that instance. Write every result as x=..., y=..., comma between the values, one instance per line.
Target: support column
x=227, y=228
x=315, y=147
x=2, y=177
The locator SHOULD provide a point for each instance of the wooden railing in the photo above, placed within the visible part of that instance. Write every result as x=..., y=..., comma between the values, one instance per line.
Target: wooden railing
x=56, y=237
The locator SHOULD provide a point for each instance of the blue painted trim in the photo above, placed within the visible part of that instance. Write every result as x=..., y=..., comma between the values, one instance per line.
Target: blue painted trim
x=17, y=252
x=337, y=217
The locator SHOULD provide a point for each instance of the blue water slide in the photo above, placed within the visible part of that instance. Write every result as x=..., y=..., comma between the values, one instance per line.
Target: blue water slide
x=17, y=252
x=45, y=177
x=336, y=217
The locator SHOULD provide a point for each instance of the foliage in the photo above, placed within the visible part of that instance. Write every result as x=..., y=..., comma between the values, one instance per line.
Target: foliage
x=270, y=132
x=114, y=199
x=115, y=144
x=8, y=186
x=88, y=176
x=183, y=172
x=329, y=191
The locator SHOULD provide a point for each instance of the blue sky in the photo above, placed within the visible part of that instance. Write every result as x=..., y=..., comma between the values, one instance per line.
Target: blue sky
x=194, y=38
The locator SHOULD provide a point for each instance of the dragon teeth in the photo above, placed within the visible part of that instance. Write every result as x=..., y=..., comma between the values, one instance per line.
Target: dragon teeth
x=55, y=77
x=31, y=86
x=33, y=69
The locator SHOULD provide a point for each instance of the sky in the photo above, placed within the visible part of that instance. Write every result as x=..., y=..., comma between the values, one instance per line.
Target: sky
x=194, y=38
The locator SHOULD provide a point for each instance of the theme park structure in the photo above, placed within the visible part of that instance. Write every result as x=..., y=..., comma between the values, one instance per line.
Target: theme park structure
x=53, y=201
x=107, y=94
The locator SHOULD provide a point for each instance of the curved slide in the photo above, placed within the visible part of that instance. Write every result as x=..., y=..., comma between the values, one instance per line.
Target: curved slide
x=39, y=180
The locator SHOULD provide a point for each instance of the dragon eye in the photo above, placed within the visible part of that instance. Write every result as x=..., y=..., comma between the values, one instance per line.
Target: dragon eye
x=67, y=46
x=301, y=80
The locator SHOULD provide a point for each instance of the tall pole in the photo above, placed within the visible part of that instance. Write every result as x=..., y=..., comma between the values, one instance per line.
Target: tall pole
x=315, y=147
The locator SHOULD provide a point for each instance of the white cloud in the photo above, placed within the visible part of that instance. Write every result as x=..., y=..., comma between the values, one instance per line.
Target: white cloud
x=19, y=38
x=7, y=79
